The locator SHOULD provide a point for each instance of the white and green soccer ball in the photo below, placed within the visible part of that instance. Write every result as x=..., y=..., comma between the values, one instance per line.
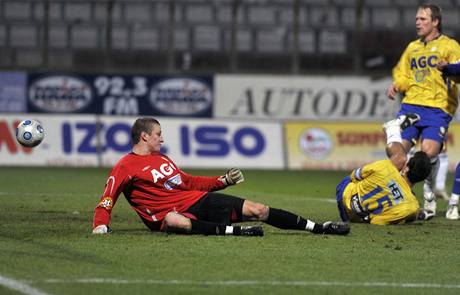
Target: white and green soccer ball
x=30, y=133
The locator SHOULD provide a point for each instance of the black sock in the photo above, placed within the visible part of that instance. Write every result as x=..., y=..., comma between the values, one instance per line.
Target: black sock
x=286, y=220
x=318, y=229
x=200, y=227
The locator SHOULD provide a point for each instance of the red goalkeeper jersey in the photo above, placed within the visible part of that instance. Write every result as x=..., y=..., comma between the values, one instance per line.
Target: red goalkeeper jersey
x=153, y=186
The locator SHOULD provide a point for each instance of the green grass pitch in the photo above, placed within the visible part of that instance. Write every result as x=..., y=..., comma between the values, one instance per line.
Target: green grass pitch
x=46, y=244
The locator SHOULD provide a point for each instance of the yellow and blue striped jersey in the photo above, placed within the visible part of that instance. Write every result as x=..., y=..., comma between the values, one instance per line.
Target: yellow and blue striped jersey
x=382, y=193
x=416, y=74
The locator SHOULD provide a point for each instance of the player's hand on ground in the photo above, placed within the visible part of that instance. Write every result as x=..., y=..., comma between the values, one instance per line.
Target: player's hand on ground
x=392, y=91
x=233, y=176
x=101, y=230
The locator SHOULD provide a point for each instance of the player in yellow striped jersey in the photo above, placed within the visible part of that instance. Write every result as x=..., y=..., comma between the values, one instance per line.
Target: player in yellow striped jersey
x=381, y=192
x=427, y=92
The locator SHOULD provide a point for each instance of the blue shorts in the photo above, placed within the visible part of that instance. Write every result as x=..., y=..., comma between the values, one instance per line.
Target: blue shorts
x=433, y=123
x=339, y=197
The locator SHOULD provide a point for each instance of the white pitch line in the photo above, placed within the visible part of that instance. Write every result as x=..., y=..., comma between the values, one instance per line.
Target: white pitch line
x=20, y=286
x=251, y=283
x=40, y=194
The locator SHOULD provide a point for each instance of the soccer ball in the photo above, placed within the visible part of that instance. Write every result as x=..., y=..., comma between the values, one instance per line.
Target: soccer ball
x=30, y=133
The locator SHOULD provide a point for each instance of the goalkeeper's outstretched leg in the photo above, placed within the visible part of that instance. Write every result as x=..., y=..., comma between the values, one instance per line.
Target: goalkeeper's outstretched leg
x=286, y=220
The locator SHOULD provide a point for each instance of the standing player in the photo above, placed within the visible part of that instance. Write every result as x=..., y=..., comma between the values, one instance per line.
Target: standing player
x=381, y=192
x=452, y=70
x=427, y=92
x=168, y=199
x=452, y=208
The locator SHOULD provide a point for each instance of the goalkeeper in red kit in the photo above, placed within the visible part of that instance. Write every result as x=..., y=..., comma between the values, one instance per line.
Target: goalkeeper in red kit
x=170, y=200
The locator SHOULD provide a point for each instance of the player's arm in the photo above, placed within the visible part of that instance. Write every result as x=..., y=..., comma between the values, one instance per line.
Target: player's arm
x=394, y=149
x=453, y=67
x=116, y=182
x=212, y=183
x=362, y=172
x=400, y=76
x=207, y=183
x=397, y=155
x=449, y=69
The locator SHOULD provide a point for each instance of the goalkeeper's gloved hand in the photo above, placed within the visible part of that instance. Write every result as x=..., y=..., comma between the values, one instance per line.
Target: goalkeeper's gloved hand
x=102, y=229
x=233, y=176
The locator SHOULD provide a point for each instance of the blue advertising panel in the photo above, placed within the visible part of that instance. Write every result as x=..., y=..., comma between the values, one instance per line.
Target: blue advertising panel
x=182, y=96
x=129, y=95
x=12, y=92
x=61, y=93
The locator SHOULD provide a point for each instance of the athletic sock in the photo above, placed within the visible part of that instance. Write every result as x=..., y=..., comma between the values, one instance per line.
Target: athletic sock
x=431, y=179
x=286, y=220
x=455, y=187
x=318, y=229
x=429, y=184
x=393, y=134
x=200, y=227
x=442, y=172
x=453, y=200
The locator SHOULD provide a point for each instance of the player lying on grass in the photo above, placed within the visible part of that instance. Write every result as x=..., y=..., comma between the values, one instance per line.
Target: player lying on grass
x=168, y=199
x=381, y=192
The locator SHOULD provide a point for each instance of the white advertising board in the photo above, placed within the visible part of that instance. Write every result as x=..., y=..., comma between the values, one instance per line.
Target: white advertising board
x=204, y=143
x=58, y=147
x=303, y=97
x=194, y=143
